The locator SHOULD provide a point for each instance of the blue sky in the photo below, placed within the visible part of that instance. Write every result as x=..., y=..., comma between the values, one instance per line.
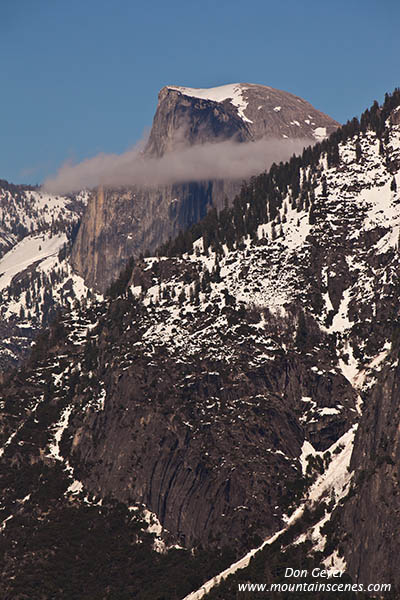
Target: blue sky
x=82, y=77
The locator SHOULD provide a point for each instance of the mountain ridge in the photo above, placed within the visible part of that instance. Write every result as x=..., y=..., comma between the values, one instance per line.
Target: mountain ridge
x=36, y=232
x=267, y=325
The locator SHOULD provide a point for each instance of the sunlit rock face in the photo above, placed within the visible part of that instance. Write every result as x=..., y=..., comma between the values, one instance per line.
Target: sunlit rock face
x=242, y=111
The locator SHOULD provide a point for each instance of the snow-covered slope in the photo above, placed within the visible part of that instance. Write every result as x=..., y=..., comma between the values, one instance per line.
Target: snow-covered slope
x=356, y=229
x=29, y=250
x=25, y=210
x=35, y=277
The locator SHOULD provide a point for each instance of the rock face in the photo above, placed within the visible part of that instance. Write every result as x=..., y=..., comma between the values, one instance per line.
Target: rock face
x=241, y=112
x=120, y=223
x=212, y=470
x=376, y=483
x=183, y=120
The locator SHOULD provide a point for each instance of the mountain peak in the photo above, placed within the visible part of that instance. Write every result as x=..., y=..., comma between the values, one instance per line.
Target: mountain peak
x=237, y=111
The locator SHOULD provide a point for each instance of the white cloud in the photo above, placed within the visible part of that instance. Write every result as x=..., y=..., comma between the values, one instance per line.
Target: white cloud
x=220, y=160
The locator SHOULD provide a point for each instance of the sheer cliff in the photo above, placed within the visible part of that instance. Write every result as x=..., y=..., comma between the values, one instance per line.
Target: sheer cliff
x=368, y=543
x=120, y=223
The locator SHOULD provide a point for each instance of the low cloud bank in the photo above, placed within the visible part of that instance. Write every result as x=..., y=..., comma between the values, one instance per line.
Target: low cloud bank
x=221, y=160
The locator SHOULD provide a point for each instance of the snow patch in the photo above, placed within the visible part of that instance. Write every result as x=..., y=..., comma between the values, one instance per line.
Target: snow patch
x=307, y=449
x=232, y=92
x=320, y=133
x=335, y=562
x=59, y=428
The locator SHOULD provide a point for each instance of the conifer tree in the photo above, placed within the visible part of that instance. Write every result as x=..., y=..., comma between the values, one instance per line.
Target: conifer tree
x=301, y=332
x=324, y=187
x=311, y=216
x=358, y=151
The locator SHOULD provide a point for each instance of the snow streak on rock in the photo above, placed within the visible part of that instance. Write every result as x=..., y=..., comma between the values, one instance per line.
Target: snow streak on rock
x=334, y=481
